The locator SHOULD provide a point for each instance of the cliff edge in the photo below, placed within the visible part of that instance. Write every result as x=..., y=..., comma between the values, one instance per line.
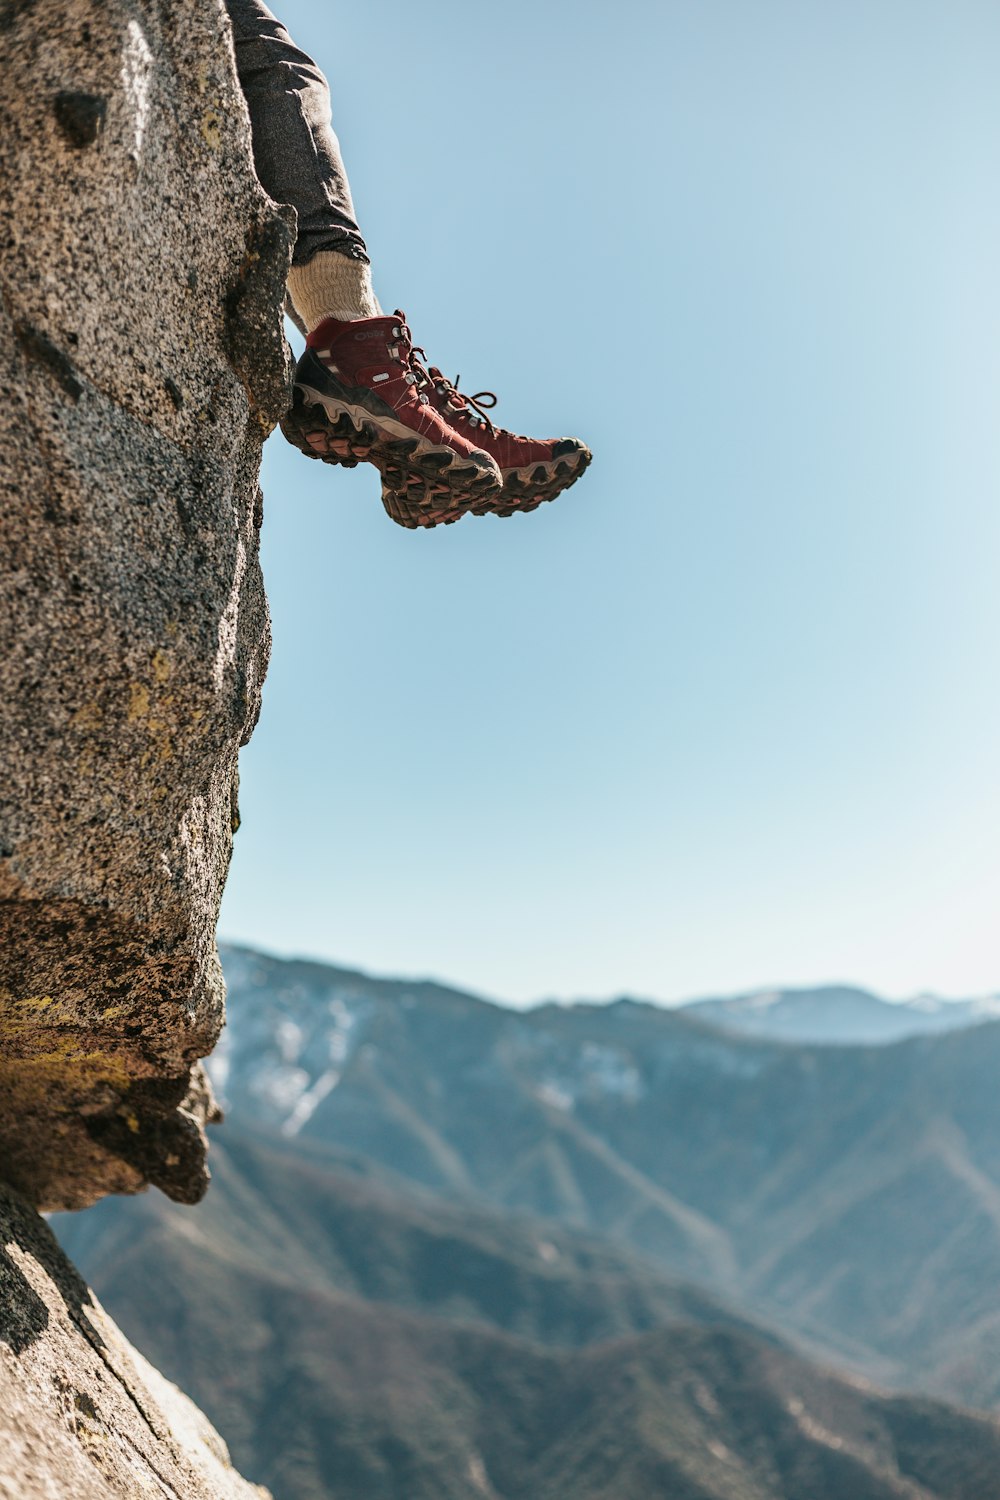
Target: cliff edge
x=82, y=1415
x=142, y=363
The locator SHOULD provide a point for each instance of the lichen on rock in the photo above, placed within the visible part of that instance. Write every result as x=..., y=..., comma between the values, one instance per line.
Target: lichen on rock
x=142, y=363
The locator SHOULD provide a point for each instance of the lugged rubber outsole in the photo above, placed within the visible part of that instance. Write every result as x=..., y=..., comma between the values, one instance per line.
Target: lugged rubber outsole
x=423, y=506
x=347, y=440
x=525, y=491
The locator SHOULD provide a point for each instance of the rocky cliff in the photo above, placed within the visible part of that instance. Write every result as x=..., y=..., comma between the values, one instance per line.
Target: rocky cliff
x=142, y=364
x=82, y=1415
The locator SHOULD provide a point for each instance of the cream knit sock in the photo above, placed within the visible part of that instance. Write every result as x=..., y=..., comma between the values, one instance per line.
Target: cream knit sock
x=332, y=286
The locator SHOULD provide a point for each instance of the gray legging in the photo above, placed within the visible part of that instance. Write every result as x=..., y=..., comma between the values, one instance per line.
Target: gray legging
x=296, y=152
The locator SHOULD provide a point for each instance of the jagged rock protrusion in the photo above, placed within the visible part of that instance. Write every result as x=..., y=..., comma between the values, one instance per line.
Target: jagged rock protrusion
x=142, y=362
x=82, y=1415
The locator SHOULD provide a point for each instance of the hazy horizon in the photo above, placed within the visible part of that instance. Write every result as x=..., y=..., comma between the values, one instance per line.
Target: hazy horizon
x=677, y=1002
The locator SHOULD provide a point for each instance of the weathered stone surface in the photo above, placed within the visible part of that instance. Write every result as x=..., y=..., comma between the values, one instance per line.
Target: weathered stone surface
x=141, y=364
x=82, y=1415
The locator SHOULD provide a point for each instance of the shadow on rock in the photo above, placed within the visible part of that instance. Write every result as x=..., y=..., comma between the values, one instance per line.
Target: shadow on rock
x=24, y=1313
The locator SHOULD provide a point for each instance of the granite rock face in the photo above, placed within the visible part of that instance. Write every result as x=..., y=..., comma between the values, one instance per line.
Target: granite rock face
x=82, y=1415
x=142, y=363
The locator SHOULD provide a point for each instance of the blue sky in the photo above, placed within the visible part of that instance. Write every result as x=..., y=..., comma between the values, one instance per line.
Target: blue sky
x=727, y=714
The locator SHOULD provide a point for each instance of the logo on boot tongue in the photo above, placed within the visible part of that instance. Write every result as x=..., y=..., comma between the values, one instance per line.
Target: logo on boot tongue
x=373, y=333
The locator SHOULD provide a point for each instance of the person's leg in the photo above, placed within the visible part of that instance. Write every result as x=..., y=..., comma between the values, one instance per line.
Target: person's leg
x=298, y=160
x=366, y=407
x=361, y=394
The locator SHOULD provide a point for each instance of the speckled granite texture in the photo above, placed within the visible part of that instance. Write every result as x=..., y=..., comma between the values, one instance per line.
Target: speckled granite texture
x=142, y=362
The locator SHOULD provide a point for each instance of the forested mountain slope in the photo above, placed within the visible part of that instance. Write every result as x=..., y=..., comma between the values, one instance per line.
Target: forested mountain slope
x=852, y=1193
x=357, y=1340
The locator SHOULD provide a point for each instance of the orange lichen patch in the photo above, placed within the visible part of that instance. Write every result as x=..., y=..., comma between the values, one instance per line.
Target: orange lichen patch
x=38, y=1026
x=162, y=666
x=156, y=712
x=88, y=716
x=29, y=1015
x=65, y=1073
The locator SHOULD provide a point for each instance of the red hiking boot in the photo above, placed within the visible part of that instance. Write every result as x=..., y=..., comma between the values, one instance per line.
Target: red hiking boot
x=361, y=395
x=533, y=469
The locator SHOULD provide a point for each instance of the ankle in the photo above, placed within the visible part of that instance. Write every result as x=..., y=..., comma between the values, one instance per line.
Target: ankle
x=332, y=286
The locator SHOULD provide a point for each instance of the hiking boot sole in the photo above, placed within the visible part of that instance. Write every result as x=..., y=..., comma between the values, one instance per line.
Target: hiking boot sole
x=339, y=432
x=421, y=506
x=526, y=489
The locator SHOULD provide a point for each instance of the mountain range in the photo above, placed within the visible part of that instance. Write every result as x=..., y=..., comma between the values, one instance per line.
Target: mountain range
x=850, y=1195
x=505, y=1214
x=841, y=1014
x=357, y=1339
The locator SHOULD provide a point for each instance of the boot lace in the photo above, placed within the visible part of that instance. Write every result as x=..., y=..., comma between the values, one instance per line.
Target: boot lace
x=403, y=350
x=472, y=408
x=424, y=377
